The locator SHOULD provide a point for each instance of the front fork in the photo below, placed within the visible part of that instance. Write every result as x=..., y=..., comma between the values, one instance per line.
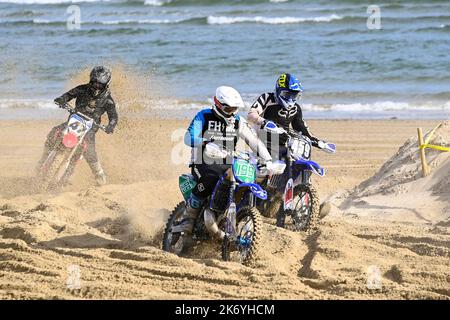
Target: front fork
x=230, y=225
x=69, y=166
x=283, y=211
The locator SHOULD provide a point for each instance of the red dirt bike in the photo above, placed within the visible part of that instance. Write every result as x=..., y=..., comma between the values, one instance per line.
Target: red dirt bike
x=66, y=152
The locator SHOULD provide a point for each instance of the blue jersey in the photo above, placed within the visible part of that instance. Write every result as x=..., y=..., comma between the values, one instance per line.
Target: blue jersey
x=207, y=126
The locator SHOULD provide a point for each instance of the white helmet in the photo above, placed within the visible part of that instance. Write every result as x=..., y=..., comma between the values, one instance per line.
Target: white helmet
x=227, y=102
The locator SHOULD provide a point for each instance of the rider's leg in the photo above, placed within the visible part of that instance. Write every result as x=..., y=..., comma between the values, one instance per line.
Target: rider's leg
x=282, y=155
x=52, y=138
x=193, y=206
x=206, y=177
x=92, y=159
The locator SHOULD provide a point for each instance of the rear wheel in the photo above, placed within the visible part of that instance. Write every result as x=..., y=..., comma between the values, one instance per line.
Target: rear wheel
x=174, y=242
x=306, y=209
x=244, y=247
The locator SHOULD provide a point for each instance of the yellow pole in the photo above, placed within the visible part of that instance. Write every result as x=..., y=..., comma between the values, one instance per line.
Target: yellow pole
x=425, y=169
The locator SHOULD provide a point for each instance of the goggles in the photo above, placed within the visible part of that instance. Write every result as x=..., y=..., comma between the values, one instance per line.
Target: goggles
x=291, y=95
x=229, y=110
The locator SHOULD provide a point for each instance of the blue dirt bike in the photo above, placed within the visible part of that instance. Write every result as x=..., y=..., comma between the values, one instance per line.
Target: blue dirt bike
x=233, y=216
x=292, y=198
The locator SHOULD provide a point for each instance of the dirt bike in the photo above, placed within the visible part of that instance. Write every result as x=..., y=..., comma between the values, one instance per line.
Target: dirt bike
x=67, y=151
x=233, y=216
x=298, y=208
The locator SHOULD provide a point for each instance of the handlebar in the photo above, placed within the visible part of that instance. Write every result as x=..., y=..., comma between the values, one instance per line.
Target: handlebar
x=292, y=134
x=71, y=110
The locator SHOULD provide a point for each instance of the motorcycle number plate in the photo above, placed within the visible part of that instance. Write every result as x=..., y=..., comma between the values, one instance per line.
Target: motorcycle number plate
x=301, y=148
x=244, y=171
x=289, y=195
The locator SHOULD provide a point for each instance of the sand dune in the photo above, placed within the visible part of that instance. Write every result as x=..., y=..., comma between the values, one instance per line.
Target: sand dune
x=399, y=192
x=112, y=234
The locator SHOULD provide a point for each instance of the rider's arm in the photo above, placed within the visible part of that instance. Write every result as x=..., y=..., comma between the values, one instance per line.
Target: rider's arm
x=113, y=118
x=69, y=95
x=257, y=108
x=257, y=146
x=298, y=124
x=193, y=136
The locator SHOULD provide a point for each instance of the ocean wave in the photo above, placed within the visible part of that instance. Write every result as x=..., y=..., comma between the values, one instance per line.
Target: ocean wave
x=92, y=23
x=157, y=3
x=269, y=20
x=143, y=21
x=209, y=2
x=211, y=20
x=381, y=106
x=50, y=1
x=441, y=28
x=41, y=21
x=174, y=104
x=27, y=104
x=32, y=21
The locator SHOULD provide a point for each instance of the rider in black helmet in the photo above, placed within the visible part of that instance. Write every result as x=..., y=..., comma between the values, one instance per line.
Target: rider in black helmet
x=92, y=99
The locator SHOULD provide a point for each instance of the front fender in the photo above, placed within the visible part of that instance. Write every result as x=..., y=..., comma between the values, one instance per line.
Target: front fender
x=255, y=189
x=310, y=165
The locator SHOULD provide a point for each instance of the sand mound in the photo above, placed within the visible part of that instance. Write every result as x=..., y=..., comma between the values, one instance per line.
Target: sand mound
x=398, y=190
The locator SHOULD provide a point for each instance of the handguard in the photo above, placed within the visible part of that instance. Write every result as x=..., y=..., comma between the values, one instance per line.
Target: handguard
x=327, y=147
x=213, y=151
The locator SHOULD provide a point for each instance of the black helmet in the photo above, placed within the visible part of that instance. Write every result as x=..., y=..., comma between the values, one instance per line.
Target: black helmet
x=100, y=75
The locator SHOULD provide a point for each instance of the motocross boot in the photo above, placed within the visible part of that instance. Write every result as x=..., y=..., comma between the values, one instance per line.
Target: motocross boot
x=193, y=207
x=100, y=176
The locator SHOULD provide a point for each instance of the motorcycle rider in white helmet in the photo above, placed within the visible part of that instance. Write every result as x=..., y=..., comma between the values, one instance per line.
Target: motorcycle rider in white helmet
x=224, y=126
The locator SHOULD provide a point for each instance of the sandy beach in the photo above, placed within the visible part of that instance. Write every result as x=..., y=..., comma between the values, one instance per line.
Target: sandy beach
x=141, y=150
x=112, y=233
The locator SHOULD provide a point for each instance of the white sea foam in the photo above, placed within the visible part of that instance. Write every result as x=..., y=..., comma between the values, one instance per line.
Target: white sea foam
x=144, y=21
x=27, y=104
x=382, y=106
x=174, y=104
x=156, y=3
x=41, y=21
x=270, y=20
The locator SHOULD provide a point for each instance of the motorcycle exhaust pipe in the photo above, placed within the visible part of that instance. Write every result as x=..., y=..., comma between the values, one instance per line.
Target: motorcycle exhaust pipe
x=211, y=224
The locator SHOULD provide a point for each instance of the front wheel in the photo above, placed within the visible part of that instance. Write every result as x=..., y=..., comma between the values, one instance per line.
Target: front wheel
x=306, y=210
x=51, y=177
x=243, y=247
x=174, y=242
